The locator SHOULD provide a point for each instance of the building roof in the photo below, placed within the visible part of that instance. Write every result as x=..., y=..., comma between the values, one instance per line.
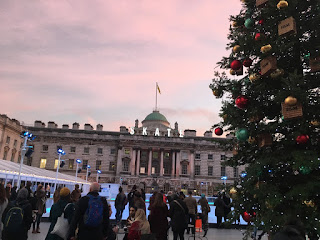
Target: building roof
x=156, y=116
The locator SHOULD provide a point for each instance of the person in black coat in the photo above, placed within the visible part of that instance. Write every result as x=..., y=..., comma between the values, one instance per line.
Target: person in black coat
x=292, y=230
x=179, y=217
x=220, y=207
x=22, y=202
x=86, y=232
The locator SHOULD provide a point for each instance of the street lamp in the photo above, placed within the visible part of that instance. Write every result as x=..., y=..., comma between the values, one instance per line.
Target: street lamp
x=98, y=173
x=27, y=136
x=78, y=162
x=60, y=153
x=88, y=166
x=224, y=178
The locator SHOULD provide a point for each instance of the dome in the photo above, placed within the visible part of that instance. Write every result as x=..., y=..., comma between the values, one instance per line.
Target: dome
x=155, y=116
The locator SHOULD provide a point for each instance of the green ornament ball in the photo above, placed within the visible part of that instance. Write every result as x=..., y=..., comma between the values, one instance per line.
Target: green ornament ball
x=249, y=23
x=249, y=12
x=242, y=134
x=305, y=170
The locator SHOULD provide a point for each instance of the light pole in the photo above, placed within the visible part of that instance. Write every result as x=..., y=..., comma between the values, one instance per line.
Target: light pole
x=27, y=136
x=60, y=153
x=78, y=162
x=88, y=166
x=224, y=178
x=98, y=173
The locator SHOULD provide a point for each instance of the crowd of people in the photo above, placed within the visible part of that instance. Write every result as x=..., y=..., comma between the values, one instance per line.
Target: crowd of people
x=88, y=217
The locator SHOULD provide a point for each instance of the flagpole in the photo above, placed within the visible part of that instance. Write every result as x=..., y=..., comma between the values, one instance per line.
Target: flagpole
x=156, y=94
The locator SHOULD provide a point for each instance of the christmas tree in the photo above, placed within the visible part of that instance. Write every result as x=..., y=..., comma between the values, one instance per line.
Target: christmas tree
x=272, y=106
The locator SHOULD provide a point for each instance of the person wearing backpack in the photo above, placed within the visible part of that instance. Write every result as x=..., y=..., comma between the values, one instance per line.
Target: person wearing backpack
x=17, y=218
x=64, y=205
x=91, y=216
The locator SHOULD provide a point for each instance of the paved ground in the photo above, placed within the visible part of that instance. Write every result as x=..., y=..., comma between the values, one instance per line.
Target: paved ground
x=213, y=234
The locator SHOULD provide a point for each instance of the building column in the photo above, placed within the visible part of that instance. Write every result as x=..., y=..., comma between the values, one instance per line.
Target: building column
x=178, y=163
x=191, y=157
x=150, y=162
x=161, y=162
x=138, y=163
x=173, y=159
x=133, y=161
x=119, y=161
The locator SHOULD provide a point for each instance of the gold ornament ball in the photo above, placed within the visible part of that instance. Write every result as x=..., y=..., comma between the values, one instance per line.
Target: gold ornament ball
x=234, y=24
x=309, y=203
x=232, y=72
x=216, y=92
x=266, y=48
x=277, y=73
x=233, y=190
x=236, y=48
x=268, y=205
x=282, y=4
x=251, y=140
x=291, y=101
x=253, y=77
x=315, y=123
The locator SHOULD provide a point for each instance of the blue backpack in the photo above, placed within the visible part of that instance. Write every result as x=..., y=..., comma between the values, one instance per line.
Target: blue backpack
x=94, y=214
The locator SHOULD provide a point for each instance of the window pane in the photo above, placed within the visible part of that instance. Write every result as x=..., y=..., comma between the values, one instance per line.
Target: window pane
x=210, y=171
x=184, y=169
x=113, y=151
x=99, y=150
x=223, y=157
x=43, y=163
x=73, y=149
x=8, y=140
x=56, y=162
x=210, y=156
x=86, y=150
x=155, y=155
x=127, y=151
x=112, y=166
x=197, y=156
x=84, y=164
x=223, y=171
x=197, y=170
x=15, y=143
x=98, y=165
x=45, y=148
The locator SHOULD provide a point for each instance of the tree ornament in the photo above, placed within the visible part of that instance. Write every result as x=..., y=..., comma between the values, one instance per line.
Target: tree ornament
x=282, y=4
x=258, y=36
x=218, y=131
x=248, y=216
x=242, y=134
x=291, y=101
x=309, y=203
x=302, y=139
x=233, y=193
x=304, y=170
x=277, y=73
x=247, y=62
x=217, y=92
x=254, y=76
x=235, y=24
x=266, y=48
x=232, y=72
x=315, y=123
x=251, y=140
x=249, y=23
x=287, y=26
x=236, y=65
x=242, y=101
x=268, y=65
x=236, y=48
x=261, y=22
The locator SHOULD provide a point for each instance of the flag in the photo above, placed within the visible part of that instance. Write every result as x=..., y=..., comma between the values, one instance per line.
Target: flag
x=158, y=88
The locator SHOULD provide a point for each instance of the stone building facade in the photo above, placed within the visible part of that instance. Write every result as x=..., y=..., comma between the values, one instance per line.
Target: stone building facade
x=10, y=140
x=152, y=155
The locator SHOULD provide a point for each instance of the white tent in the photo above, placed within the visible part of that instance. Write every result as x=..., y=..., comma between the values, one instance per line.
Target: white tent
x=9, y=172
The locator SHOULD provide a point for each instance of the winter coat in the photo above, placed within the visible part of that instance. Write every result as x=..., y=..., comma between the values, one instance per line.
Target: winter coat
x=220, y=205
x=21, y=234
x=159, y=222
x=86, y=232
x=3, y=206
x=227, y=202
x=120, y=202
x=140, y=204
x=205, y=208
x=56, y=211
x=178, y=215
x=41, y=201
x=191, y=203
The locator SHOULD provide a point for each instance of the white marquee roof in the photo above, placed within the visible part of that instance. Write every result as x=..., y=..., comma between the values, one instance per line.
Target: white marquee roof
x=10, y=170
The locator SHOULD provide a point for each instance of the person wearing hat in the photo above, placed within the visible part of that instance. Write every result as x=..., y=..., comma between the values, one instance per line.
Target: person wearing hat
x=57, y=209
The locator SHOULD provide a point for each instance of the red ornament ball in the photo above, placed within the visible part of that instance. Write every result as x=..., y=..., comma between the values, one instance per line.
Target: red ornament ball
x=242, y=102
x=235, y=65
x=258, y=36
x=302, y=139
x=261, y=22
x=247, y=62
x=218, y=131
x=248, y=216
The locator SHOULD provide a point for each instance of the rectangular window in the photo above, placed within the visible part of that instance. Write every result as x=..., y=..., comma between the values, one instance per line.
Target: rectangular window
x=210, y=171
x=71, y=162
x=197, y=156
x=8, y=140
x=125, y=166
x=12, y=157
x=86, y=150
x=112, y=151
x=15, y=143
x=45, y=148
x=144, y=155
x=223, y=171
x=112, y=166
x=210, y=157
x=235, y=172
x=72, y=149
x=5, y=155
x=127, y=151
x=98, y=165
x=99, y=150
x=29, y=161
x=167, y=168
x=84, y=164
x=155, y=155
x=153, y=170
x=184, y=169
x=142, y=170
x=56, y=162
x=43, y=163
x=166, y=155
x=197, y=170
x=223, y=157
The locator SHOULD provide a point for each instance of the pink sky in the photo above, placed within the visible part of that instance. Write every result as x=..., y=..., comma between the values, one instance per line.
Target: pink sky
x=98, y=61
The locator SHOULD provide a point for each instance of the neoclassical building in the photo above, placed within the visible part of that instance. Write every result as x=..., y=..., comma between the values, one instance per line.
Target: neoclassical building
x=151, y=154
